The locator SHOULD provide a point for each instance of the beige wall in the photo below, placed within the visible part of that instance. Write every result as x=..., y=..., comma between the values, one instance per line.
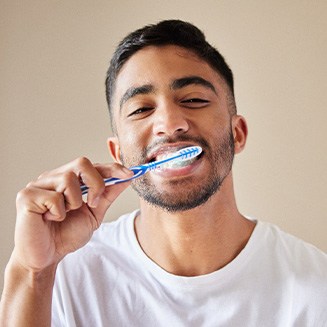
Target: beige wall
x=54, y=55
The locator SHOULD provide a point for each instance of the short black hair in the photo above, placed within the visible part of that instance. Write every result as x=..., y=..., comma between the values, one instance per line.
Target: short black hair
x=166, y=32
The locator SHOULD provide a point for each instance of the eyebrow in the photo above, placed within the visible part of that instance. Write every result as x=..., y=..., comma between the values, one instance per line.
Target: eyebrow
x=191, y=80
x=175, y=85
x=133, y=91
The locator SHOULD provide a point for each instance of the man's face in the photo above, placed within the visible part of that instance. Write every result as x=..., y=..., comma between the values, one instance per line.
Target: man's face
x=165, y=99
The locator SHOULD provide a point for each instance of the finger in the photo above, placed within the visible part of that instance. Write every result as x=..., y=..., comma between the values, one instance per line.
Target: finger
x=33, y=201
x=86, y=173
x=67, y=183
x=112, y=170
x=107, y=198
x=90, y=175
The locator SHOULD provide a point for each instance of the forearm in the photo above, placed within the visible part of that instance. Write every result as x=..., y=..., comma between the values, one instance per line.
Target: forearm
x=27, y=296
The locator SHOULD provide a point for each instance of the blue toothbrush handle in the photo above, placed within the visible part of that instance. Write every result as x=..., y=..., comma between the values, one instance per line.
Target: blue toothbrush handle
x=138, y=171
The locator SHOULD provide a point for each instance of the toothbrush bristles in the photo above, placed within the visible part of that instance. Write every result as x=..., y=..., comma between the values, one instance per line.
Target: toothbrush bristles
x=183, y=154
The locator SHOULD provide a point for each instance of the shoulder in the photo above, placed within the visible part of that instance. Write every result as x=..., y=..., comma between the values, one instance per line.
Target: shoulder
x=284, y=255
x=298, y=264
x=293, y=251
x=292, y=267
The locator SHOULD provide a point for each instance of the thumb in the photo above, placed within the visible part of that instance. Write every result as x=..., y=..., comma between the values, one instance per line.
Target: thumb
x=104, y=201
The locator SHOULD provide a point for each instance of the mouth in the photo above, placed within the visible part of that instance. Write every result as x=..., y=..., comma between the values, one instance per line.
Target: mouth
x=167, y=152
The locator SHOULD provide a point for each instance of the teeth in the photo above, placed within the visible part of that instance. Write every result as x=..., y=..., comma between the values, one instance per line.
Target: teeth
x=174, y=164
x=178, y=163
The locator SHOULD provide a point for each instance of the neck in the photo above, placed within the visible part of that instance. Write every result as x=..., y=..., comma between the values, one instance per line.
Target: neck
x=197, y=241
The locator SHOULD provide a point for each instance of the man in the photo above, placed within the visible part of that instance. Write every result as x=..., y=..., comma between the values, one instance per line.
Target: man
x=188, y=257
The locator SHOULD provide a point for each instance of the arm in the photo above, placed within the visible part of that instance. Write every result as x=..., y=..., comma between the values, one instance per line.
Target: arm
x=27, y=296
x=52, y=221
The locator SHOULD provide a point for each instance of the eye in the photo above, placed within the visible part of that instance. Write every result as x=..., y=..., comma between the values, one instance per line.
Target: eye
x=195, y=102
x=140, y=111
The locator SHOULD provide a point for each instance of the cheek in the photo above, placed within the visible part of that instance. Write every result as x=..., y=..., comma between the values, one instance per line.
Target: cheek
x=129, y=139
x=131, y=148
x=127, y=135
x=134, y=134
x=219, y=134
x=215, y=126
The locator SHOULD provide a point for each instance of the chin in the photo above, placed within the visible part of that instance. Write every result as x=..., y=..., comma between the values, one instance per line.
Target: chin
x=181, y=196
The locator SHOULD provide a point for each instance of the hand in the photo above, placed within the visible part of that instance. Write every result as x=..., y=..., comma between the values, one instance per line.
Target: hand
x=52, y=218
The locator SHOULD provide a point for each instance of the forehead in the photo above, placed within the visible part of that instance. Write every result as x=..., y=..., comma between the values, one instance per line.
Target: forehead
x=159, y=66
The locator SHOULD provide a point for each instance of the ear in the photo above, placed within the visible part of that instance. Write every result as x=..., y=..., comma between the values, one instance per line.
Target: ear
x=114, y=148
x=240, y=132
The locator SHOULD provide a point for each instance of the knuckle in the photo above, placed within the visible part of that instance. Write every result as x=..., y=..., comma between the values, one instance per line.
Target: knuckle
x=56, y=198
x=69, y=177
x=29, y=185
x=116, y=165
x=22, y=195
x=82, y=162
x=45, y=173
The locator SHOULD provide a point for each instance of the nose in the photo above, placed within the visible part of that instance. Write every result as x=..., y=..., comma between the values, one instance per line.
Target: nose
x=170, y=120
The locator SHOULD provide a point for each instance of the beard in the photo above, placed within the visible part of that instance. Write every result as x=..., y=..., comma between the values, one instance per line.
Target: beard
x=184, y=193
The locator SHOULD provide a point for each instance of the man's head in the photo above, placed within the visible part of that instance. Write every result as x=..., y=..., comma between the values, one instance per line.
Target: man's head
x=167, y=32
x=164, y=97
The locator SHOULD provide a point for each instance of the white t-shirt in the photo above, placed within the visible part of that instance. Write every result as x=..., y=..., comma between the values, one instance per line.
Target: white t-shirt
x=277, y=280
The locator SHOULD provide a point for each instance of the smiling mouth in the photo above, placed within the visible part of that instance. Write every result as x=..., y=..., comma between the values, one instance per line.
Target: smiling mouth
x=174, y=164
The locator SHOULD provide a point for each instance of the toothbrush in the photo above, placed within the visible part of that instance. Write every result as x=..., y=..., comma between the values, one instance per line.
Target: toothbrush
x=181, y=155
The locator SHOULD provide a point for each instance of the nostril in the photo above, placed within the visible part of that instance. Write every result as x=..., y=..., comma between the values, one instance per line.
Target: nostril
x=180, y=130
x=170, y=124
